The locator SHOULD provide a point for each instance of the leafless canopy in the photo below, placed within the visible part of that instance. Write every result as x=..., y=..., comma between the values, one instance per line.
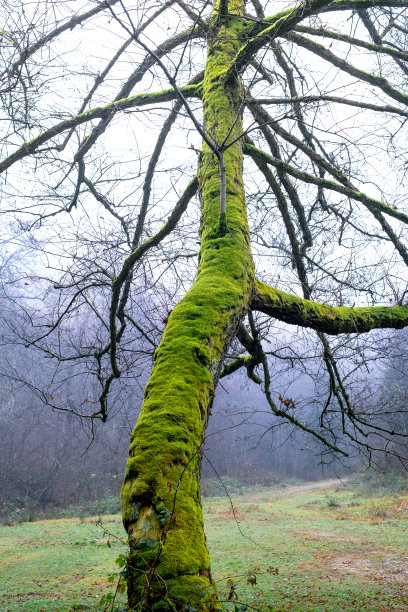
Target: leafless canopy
x=101, y=120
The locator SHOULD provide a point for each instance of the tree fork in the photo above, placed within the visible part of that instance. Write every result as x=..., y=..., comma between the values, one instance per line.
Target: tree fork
x=169, y=566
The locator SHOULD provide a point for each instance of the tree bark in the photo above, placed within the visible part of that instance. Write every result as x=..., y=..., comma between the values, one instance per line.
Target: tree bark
x=169, y=566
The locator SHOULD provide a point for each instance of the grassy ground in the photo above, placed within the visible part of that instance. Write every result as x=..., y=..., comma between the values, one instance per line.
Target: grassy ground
x=315, y=547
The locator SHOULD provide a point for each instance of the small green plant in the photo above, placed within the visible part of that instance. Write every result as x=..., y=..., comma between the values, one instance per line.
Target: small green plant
x=146, y=543
x=108, y=601
x=331, y=502
x=163, y=516
x=373, y=483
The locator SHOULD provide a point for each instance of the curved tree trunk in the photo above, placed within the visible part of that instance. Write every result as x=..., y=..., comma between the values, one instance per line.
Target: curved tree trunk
x=169, y=566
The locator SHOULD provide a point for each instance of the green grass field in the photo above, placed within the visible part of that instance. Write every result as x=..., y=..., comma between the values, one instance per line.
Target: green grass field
x=315, y=547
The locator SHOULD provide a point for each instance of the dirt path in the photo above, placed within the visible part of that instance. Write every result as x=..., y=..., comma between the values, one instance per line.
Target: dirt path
x=276, y=493
x=313, y=486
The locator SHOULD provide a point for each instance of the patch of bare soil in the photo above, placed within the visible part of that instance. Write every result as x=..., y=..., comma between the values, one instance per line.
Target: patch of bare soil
x=315, y=535
x=29, y=595
x=232, y=514
x=376, y=568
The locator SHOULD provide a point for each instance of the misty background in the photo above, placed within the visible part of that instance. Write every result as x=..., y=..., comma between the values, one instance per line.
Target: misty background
x=53, y=460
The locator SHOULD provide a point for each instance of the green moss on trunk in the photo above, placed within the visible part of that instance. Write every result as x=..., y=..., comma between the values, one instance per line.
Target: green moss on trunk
x=169, y=565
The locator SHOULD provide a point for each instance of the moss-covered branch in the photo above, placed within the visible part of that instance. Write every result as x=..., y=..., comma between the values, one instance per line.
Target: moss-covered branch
x=139, y=100
x=332, y=58
x=379, y=108
x=282, y=23
x=378, y=40
x=250, y=362
x=137, y=254
x=310, y=178
x=244, y=361
x=253, y=29
x=323, y=317
x=356, y=42
x=353, y=5
x=266, y=120
x=165, y=230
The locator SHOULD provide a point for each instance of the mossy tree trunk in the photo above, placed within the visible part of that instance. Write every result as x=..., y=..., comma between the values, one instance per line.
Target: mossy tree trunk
x=328, y=234
x=169, y=566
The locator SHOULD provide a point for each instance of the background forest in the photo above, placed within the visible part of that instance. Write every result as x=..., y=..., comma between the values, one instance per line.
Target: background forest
x=77, y=468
